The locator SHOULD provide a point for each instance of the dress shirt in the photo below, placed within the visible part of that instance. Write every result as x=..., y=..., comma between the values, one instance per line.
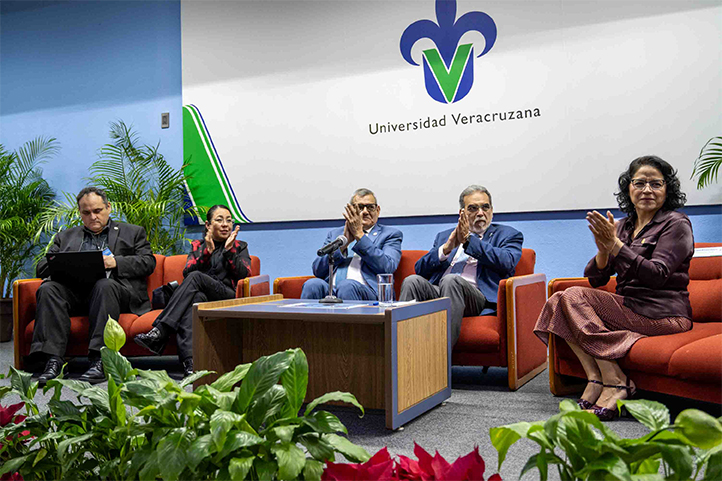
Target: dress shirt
x=469, y=272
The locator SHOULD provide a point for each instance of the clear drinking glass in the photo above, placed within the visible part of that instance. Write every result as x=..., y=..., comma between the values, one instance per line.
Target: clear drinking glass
x=386, y=289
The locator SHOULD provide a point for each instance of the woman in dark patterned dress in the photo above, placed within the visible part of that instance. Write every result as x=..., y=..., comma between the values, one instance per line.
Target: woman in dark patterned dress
x=649, y=251
x=213, y=268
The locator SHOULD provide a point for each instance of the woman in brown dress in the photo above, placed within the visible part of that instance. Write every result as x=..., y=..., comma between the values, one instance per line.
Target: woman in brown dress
x=649, y=251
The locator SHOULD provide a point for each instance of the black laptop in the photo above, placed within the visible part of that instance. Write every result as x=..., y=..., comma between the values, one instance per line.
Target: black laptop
x=72, y=269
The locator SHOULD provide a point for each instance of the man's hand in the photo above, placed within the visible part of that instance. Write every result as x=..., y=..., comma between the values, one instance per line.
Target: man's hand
x=109, y=262
x=210, y=245
x=457, y=236
x=354, y=223
x=232, y=238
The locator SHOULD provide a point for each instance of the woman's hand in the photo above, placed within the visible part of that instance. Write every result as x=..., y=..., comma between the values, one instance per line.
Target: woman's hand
x=232, y=238
x=605, y=232
x=210, y=246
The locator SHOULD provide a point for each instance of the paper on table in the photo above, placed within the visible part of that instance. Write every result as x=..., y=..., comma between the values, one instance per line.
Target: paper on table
x=708, y=252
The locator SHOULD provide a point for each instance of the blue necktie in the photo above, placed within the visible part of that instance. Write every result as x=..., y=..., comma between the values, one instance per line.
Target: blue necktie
x=342, y=271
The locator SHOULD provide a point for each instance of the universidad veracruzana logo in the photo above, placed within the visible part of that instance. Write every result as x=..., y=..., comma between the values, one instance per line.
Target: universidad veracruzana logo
x=448, y=68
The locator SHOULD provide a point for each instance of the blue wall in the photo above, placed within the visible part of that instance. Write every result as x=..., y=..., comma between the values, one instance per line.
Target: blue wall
x=69, y=68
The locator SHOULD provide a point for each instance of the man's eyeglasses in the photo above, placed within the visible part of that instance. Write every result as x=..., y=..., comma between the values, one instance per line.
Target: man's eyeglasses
x=370, y=207
x=639, y=184
x=474, y=208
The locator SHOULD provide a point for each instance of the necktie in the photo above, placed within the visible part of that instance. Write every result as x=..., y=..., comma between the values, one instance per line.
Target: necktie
x=458, y=267
x=342, y=271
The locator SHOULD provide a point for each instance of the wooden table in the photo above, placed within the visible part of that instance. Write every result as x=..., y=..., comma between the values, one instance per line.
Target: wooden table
x=397, y=359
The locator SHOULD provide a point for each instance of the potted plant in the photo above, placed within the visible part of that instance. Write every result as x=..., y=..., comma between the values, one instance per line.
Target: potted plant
x=24, y=196
x=708, y=163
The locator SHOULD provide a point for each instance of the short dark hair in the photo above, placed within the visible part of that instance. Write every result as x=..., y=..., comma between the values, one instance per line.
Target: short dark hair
x=92, y=190
x=675, y=197
x=213, y=209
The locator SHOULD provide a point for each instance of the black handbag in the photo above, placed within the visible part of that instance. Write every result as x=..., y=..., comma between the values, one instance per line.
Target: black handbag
x=162, y=294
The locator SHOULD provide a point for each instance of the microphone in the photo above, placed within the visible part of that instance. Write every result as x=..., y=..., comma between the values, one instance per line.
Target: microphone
x=332, y=246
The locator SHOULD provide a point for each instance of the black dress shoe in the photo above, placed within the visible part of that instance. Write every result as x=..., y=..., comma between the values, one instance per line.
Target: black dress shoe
x=52, y=370
x=95, y=374
x=153, y=340
x=188, y=367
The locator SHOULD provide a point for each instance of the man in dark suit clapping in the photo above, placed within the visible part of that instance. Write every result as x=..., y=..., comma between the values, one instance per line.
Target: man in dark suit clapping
x=128, y=261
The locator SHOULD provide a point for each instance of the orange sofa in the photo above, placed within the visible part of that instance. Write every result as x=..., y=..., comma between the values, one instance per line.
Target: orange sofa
x=167, y=269
x=504, y=340
x=688, y=364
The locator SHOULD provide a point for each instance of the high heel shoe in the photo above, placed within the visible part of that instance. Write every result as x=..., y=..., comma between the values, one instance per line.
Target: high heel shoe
x=609, y=414
x=583, y=403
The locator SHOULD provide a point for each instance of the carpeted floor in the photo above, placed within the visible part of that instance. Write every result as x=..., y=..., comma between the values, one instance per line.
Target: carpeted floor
x=478, y=402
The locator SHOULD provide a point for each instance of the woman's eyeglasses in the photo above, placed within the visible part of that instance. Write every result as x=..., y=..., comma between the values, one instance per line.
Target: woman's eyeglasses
x=639, y=184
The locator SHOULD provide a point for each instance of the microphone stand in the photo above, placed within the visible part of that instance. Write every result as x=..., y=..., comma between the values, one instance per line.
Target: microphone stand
x=330, y=298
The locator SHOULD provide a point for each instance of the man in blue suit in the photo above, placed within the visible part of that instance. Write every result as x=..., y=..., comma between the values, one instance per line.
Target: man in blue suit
x=372, y=249
x=469, y=275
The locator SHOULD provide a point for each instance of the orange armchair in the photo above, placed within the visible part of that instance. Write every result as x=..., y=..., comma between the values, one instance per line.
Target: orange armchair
x=167, y=269
x=687, y=364
x=484, y=340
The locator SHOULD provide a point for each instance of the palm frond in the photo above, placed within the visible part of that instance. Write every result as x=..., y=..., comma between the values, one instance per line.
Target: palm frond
x=707, y=165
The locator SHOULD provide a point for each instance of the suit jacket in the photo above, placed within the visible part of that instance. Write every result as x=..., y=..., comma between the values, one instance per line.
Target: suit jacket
x=132, y=253
x=380, y=252
x=497, y=254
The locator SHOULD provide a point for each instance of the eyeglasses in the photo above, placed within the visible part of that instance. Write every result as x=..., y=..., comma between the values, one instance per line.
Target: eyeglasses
x=220, y=220
x=640, y=184
x=474, y=208
x=370, y=207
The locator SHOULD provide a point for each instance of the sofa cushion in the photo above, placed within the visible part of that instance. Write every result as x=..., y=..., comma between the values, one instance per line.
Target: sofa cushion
x=144, y=323
x=173, y=268
x=653, y=354
x=706, y=300
x=699, y=361
x=479, y=334
x=79, y=326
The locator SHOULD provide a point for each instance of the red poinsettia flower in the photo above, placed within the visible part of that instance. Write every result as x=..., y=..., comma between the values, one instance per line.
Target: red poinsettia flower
x=11, y=477
x=7, y=414
x=428, y=468
x=379, y=468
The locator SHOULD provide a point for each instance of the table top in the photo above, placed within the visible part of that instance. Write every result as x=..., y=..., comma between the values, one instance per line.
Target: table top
x=302, y=309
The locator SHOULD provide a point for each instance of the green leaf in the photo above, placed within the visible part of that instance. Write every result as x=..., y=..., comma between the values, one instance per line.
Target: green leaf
x=610, y=465
x=324, y=422
x=187, y=381
x=228, y=380
x=236, y=440
x=117, y=408
x=266, y=406
x=648, y=466
x=20, y=381
x=117, y=366
x=284, y=433
x=503, y=437
x=313, y=470
x=14, y=464
x=713, y=469
x=679, y=458
x=65, y=445
x=151, y=468
x=652, y=414
x=238, y=467
x=265, y=469
x=263, y=374
x=352, y=452
x=291, y=460
x=172, y=453
x=189, y=402
x=699, y=428
x=64, y=410
x=333, y=396
x=113, y=335
x=295, y=381
x=318, y=447
x=201, y=448
x=221, y=422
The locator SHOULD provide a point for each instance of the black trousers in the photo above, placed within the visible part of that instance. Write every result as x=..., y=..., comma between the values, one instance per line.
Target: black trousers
x=178, y=314
x=57, y=302
x=466, y=300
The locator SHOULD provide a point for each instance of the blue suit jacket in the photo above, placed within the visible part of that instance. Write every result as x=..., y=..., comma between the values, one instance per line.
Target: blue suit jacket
x=380, y=252
x=497, y=254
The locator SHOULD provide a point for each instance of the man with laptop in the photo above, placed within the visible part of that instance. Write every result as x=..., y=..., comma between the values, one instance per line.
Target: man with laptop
x=119, y=286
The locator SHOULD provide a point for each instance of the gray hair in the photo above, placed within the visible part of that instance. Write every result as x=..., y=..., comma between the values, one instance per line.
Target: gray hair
x=92, y=190
x=362, y=192
x=470, y=190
